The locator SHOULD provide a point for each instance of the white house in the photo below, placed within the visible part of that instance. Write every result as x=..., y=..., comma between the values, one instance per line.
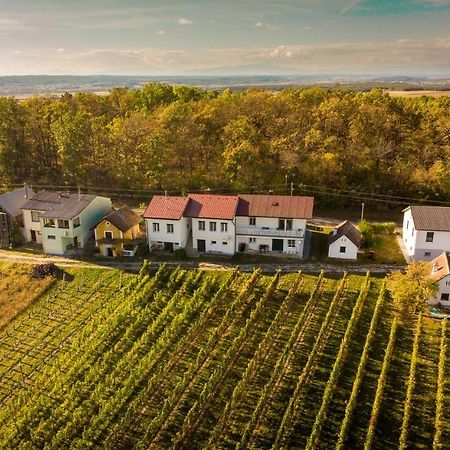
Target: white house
x=344, y=241
x=275, y=223
x=426, y=231
x=61, y=220
x=213, y=222
x=226, y=224
x=440, y=273
x=167, y=226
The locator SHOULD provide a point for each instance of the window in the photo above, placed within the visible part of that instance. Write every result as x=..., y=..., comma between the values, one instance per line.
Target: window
x=212, y=226
x=49, y=223
x=76, y=222
x=252, y=220
x=170, y=227
x=412, y=231
x=445, y=297
x=288, y=224
x=213, y=242
x=427, y=254
x=407, y=224
x=63, y=224
x=430, y=236
x=291, y=243
x=252, y=240
x=155, y=227
x=51, y=237
x=447, y=283
x=224, y=243
x=223, y=227
x=108, y=235
x=342, y=249
x=201, y=225
x=35, y=216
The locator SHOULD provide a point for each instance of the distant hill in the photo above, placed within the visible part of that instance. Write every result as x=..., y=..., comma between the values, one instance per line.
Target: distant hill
x=24, y=86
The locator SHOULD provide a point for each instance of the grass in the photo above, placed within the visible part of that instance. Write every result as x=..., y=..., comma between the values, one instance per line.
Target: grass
x=385, y=246
x=18, y=290
x=115, y=361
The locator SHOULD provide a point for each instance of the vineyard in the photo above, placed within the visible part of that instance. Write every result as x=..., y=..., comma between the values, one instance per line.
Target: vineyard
x=191, y=359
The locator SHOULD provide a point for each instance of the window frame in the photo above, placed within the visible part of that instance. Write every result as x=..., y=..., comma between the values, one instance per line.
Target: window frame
x=252, y=221
x=201, y=225
x=429, y=236
x=33, y=215
x=212, y=226
x=342, y=249
x=110, y=233
x=155, y=227
x=223, y=227
x=291, y=243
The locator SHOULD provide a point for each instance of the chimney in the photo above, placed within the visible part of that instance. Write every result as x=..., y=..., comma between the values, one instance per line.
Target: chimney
x=435, y=267
x=79, y=194
x=26, y=191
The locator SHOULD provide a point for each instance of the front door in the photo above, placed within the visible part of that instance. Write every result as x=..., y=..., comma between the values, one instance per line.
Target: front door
x=33, y=235
x=201, y=245
x=277, y=245
x=75, y=242
x=168, y=246
x=109, y=251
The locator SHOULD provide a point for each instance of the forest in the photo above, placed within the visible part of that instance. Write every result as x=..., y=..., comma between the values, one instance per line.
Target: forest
x=180, y=138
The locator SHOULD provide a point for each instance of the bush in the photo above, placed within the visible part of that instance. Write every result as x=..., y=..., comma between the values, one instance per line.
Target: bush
x=44, y=270
x=180, y=253
x=370, y=230
x=142, y=250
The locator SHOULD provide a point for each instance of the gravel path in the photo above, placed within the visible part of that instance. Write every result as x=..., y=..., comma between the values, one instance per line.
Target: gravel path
x=307, y=267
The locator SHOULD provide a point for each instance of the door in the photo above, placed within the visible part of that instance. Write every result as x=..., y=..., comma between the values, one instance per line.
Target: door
x=109, y=251
x=33, y=235
x=75, y=242
x=201, y=245
x=168, y=246
x=277, y=245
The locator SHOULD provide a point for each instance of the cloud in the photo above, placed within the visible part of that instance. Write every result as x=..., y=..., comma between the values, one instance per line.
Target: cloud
x=258, y=24
x=184, y=21
x=396, y=56
x=60, y=50
x=160, y=32
x=265, y=25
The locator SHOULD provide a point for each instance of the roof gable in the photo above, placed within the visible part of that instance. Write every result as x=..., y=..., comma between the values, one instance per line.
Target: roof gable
x=209, y=206
x=347, y=229
x=283, y=206
x=123, y=218
x=166, y=207
x=11, y=202
x=58, y=205
x=440, y=267
x=430, y=218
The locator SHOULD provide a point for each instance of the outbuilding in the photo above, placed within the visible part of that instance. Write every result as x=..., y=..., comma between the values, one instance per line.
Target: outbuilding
x=344, y=241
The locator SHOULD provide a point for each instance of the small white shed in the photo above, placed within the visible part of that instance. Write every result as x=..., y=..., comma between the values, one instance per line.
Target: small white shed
x=344, y=241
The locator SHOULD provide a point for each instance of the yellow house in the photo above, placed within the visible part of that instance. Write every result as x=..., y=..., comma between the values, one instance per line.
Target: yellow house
x=117, y=232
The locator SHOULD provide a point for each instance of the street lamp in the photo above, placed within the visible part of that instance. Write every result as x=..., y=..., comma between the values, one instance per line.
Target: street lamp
x=362, y=211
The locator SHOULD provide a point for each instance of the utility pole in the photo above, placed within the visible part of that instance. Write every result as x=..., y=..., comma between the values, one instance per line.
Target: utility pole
x=292, y=188
x=362, y=211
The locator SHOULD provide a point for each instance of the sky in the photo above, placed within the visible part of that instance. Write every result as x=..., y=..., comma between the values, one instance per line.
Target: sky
x=167, y=37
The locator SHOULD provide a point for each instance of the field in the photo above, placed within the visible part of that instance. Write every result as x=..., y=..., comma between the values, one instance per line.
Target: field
x=203, y=359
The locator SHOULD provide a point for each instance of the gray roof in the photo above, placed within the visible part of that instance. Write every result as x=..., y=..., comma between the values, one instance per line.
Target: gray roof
x=11, y=202
x=347, y=229
x=431, y=218
x=59, y=205
x=123, y=218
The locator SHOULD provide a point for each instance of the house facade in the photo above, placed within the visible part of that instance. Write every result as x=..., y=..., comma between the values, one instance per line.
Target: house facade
x=426, y=231
x=272, y=223
x=10, y=206
x=227, y=224
x=167, y=227
x=213, y=223
x=344, y=241
x=62, y=220
x=117, y=233
x=440, y=274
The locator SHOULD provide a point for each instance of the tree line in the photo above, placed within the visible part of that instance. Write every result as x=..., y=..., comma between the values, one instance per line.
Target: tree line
x=181, y=138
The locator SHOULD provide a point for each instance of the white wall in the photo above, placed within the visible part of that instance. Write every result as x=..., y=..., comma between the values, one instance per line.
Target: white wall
x=415, y=241
x=225, y=241
x=269, y=222
x=264, y=240
x=29, y=225
x=181, y=229
x=443, y=288
x=351, y=250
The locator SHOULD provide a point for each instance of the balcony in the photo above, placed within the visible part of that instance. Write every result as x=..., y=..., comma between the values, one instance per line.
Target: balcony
x=270, y=232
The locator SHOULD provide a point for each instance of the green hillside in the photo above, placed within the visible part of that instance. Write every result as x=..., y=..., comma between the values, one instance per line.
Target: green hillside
x=203, y=359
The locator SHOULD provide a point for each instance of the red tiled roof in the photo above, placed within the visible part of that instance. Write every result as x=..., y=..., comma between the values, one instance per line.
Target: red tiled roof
x=165, y=207
x=210, y=206
x=284, y=206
